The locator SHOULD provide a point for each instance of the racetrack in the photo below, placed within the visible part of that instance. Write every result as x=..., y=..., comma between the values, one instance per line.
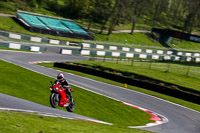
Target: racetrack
x=181, y=120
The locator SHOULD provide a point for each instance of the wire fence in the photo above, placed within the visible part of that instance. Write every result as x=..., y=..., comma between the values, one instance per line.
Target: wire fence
x=179, y=68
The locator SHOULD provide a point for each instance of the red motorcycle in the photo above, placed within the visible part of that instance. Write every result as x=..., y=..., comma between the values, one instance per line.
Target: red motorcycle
x=59, y=97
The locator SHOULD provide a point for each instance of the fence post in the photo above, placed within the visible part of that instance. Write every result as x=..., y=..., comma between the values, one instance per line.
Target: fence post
x=104, y=58
x=132, y=62
x=188, y=70
x=168, y=67
x=125, y=85
x=150, y=64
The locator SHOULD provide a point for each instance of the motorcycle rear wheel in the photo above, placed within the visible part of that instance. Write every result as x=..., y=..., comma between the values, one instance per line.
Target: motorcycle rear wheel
x=71, y=106
x=53, y=100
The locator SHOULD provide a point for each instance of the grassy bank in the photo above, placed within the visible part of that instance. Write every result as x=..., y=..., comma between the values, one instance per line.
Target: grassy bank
x=183, y=74
x=8, y=24
x=28, y=123
x=125, y=38
x=34, y=87
x=169, y=98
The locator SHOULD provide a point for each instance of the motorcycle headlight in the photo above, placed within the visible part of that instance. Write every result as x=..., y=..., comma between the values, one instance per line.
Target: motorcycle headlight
x=50, y=89
x=57, y=88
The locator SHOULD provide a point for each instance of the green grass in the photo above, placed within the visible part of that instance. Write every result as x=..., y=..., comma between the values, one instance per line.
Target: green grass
x=177, y=72
x=181, y=44
x=32, y=86
x=15, y=49
x=137, y=38
x=169, y=98
x=29, y=123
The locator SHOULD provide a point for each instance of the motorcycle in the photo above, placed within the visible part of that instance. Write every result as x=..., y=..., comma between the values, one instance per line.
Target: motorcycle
x=59, y=97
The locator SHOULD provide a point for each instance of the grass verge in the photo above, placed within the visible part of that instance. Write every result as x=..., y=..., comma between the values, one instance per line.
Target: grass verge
x=34, y=87
x=8, y=24
x=168, y=98
x=3, y=48
x=30, y=123
x=125, y=38
x=182, y=74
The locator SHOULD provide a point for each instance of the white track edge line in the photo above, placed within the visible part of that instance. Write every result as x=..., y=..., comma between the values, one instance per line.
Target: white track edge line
x=53, y=115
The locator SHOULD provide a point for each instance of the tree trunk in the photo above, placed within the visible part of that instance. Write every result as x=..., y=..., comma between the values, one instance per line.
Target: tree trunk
x=110, y=31
x=133, y=27
x=103, y=25
x=109, y=15
x=133, y=24
x=89, y=24
x=191, y=17
x=157, y=10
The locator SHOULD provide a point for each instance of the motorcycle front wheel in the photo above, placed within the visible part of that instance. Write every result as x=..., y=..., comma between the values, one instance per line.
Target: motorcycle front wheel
x=54, y=100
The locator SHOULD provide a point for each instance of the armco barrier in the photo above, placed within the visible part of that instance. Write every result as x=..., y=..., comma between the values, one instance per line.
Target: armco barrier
x=129, y=55
x=32, y=38
x=103, y=47
x=138, y=50
x=3, y=44
x=22, y=47
x=70, y=52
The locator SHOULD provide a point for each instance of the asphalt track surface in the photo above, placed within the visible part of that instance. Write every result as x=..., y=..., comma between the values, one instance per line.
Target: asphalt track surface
x=181, y=119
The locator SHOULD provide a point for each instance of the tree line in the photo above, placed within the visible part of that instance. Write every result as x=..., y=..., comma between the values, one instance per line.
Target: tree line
x=180, y=14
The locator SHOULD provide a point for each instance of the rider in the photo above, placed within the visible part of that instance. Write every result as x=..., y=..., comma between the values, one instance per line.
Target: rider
x=64, y=84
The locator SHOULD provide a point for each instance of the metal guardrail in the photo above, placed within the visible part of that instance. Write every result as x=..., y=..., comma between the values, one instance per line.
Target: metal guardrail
x=117, y=49
x=96, y=53
x=22, y=47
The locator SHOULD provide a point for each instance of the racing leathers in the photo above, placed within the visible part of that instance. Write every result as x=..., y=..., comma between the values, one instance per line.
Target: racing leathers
x=65, y=84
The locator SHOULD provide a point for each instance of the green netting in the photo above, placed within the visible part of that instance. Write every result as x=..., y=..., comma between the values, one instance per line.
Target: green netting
x=74, y=27
x=53, y=23
x=44, y=22
x=32, y=20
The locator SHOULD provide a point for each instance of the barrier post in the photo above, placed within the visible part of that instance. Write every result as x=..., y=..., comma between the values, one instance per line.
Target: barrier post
x=125, y=85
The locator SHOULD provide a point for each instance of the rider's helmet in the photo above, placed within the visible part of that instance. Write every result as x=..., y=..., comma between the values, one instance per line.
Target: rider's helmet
x=60, y=76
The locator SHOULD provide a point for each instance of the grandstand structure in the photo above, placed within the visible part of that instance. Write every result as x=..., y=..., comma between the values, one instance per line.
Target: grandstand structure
x=52, y=25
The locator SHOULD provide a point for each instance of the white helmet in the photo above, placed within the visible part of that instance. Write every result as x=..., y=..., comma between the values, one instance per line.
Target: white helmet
x=60, y=76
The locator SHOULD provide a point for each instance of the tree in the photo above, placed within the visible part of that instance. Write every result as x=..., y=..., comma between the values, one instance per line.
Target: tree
x=118, y=11
x=77, y=8
x=193, y=12
x=109, y=13
x=159, y=6
x=32, y=3
x=99, y=11
x=136, y=9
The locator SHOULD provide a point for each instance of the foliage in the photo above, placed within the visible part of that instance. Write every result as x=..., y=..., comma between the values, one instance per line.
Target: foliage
x=181, y=14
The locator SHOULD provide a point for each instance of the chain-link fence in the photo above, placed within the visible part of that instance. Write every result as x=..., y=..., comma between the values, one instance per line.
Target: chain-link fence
x=188, y=69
